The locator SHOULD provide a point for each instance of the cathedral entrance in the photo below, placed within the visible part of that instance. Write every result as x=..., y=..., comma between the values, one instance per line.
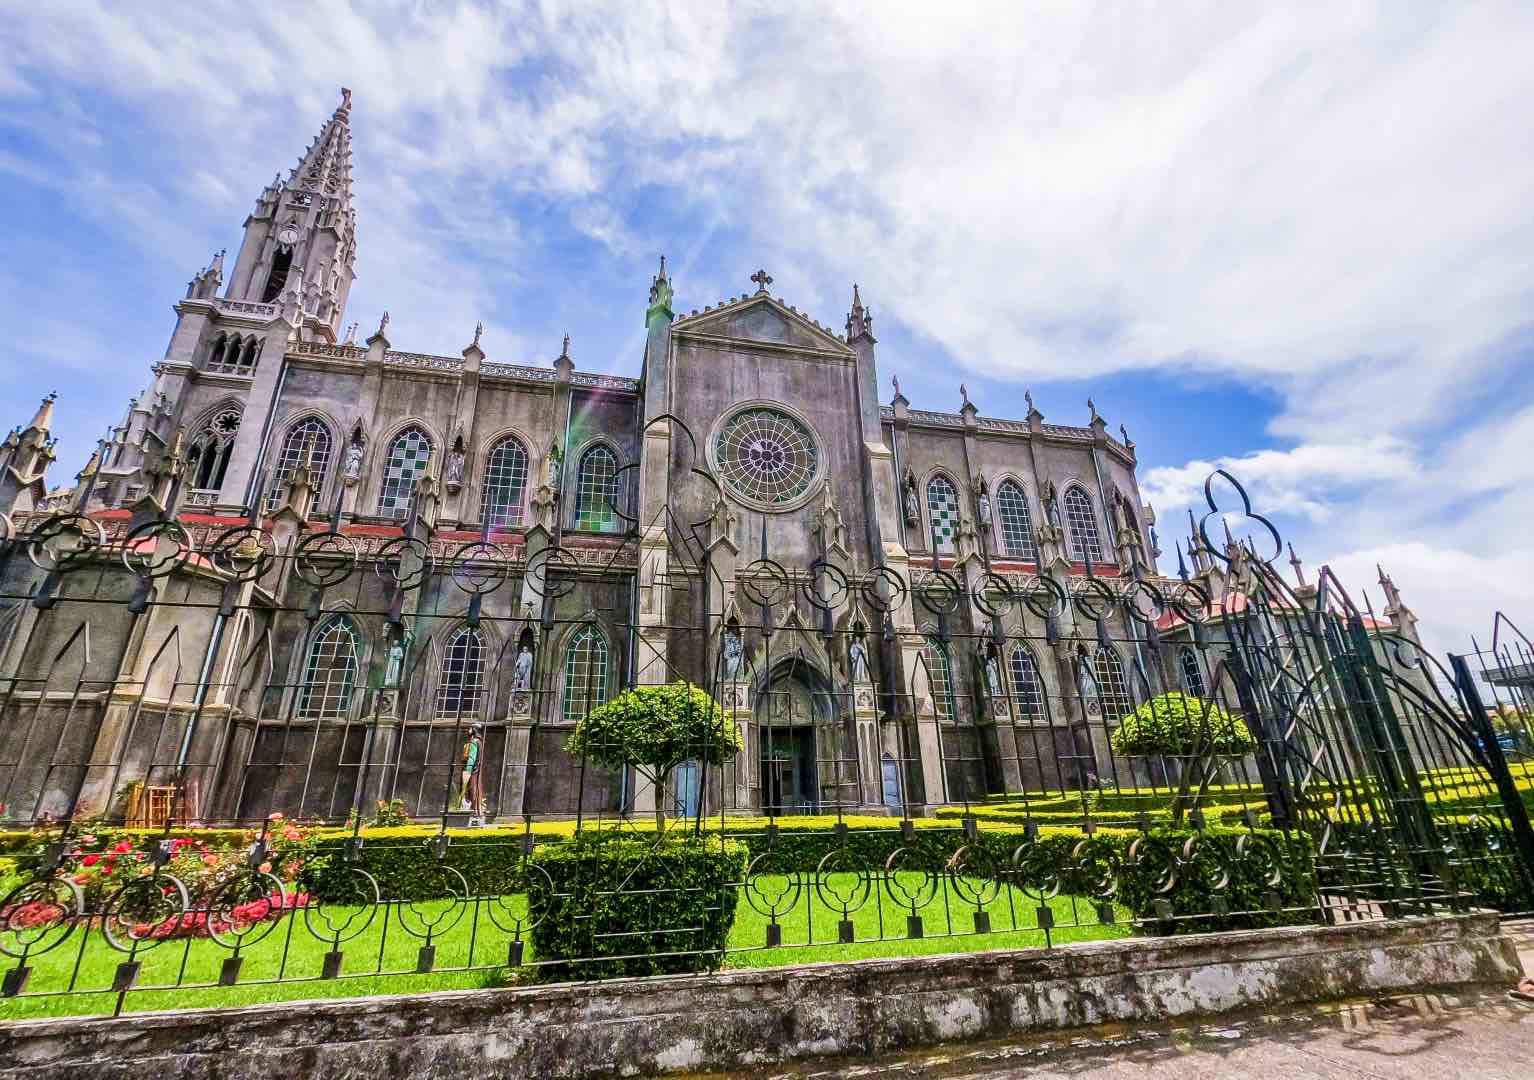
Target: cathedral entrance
x=791, y=711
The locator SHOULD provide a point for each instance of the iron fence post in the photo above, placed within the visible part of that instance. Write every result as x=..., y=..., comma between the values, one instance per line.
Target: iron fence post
x=1496, y=763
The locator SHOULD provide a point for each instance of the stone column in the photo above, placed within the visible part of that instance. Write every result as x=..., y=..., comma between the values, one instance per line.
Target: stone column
x=515, y=761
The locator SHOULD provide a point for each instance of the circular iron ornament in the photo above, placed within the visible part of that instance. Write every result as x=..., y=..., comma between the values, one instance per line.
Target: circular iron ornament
x=1262, y=857
x=764, y=582
x=766, y=457
x=883, y=589
x=389, y=561
x=1246, y=512
x=133, y=916
x=1045, y=597
x=552, y=572
x=939, y=592
x=536, y=881
x=240, y=910
x=433, y=918
x=842, y=889
x=1095, y=864
x=1143, y=602
x=1208, y=872
x=39, y=916
x=1035, y=870
x=1151, y=854
x=911, y=887
x=346, y=916
x=1189, y=600
x=64, y=542
x=244, y=552
x=325, y=559
x=993, y=594
x=479, y=567
x=156, y=548
x=772, y=893
x=1094, y=598
x=829, y=578
x=974, y=874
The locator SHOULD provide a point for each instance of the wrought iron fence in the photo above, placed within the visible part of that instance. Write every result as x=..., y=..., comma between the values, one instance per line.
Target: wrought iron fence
x=247, y=760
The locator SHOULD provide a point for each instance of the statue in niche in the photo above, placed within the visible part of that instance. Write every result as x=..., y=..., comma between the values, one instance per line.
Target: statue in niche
x=992, y=675
x=553, y=467
x=522, y=670
x=394, y=667
x=857, y=659
x=983, y=501
x=455, y=465
x=912, y=504
x=731, y=652
x=351, y=469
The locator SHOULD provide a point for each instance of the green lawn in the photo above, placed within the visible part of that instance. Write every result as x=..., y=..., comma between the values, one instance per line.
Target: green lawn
x=76, y=980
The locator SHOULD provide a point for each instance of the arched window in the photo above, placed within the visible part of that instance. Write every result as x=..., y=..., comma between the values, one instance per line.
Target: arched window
x=942, y=512
x=934, y=656
x=1016, y=523
x=504, y=483
x=309, y=435
x=404, y=464
x=1082, y=522
x=461, y=679
x=207, y=458
x=596, y=490
x=1027, y=691
x=331, y=670
x=585, y=673
x=282, y=262
x=1192, y=676
x=1108, y=687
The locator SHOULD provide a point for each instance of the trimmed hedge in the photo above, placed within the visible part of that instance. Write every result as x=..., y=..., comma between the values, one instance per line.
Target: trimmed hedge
x=621, y=907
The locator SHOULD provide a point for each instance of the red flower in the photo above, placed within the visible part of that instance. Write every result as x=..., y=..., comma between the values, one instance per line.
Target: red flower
x=82, y=879
x=90, y=860
x=122, y=847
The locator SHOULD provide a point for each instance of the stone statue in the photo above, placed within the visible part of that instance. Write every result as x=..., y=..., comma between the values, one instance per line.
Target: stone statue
x=394, y=668
x=730, y=653
x=985, y=508
x=912, y=505
x=471, y=792
x=522, y=670
x=553, y=468
x=992, y=677
x=455, y=466
x=352, y=469
x=857, y=656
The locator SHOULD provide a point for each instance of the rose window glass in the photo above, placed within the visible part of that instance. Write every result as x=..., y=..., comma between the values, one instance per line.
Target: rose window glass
x=767, y=456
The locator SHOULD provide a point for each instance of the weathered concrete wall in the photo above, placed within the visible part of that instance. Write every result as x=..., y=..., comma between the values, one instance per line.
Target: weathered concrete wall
x=744, y=1018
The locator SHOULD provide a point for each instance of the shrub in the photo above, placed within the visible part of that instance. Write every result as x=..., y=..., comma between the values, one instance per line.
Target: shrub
x=617, y=907
x=653, y=729
x=1177, y=724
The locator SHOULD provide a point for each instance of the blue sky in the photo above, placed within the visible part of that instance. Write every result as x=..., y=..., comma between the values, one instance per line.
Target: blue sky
x=1299, y=244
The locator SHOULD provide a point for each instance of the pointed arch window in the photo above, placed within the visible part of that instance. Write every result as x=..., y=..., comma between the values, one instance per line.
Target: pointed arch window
x=1081, y=519
x=403, y=466
x=1107, y=688
x=330, y=671
x=942, y=512
x=596, y=490
x=1016, y=522
x=282, y=262
x=461, y=678
x=939, y=667
x=1027, y=690
x=585, y=671
x=207, y=459
x=308, y=435
x=505, y=482
x=1192, y=675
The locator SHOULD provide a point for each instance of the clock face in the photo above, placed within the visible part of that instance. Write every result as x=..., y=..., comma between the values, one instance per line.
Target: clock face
x=288, y=235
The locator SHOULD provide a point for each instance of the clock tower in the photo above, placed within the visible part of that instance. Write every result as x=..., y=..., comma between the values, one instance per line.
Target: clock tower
x=300, y=240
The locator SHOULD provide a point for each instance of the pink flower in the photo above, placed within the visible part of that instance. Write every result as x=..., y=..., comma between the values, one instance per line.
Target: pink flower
x=90, y=860
x=88, y=838
x=209, y=859
x=265, y=868
x=291, y=833
x=275, y=815
x=82, y=879
x=122, y=847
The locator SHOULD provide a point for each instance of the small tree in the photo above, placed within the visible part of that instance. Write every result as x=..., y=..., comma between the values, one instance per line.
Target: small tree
x=654, y=729
x=1193, y=731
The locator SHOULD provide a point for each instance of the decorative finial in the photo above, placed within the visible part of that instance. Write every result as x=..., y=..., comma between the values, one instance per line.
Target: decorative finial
x=857, y=301
x=564, y=351
x=895, y=381
x=1028, y=397
x=346, y=100
x=383, y=324
x=662, y=274
x=964, y=393
x=1299, y=567
x=1093, y=408
x=762, y=279
x=1124, y=431
x=479, y=328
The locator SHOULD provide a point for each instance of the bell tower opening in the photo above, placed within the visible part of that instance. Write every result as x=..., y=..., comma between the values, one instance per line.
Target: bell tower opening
x=282, y=262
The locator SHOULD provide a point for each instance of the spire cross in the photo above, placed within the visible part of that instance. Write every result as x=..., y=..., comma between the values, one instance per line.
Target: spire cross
x=762, y=279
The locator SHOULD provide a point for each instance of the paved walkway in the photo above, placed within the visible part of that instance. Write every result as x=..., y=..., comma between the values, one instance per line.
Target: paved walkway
x=1476, y=1036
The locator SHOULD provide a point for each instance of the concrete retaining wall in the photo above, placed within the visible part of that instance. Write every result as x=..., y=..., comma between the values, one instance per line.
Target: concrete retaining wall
x=741, y=1018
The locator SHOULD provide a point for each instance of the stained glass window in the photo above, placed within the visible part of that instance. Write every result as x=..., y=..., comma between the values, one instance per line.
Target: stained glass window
x=461, y=679
x=310, y=433
x=1027, y=691
x=1111, y=687
x=942, y=511
x=596, y=490
x=585, y=672
x=939, y=677
x=766, y=455
x=1192, y=677
x=1082, y=522
x=504, y=483
x=331, y=670
x=405, y=463
x=1016, y=523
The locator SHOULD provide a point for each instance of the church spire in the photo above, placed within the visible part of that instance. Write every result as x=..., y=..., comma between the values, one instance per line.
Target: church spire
x=303, y=232
x=860, y=320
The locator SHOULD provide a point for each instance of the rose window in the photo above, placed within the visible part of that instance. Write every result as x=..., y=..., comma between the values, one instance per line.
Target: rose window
x=766, y=456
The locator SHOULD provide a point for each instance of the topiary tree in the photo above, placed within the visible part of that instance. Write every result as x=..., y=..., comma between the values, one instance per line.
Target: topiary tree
x=1193, y=731
x=654, y=729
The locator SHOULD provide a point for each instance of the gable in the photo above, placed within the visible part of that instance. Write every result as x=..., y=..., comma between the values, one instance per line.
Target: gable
x=761, y=319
